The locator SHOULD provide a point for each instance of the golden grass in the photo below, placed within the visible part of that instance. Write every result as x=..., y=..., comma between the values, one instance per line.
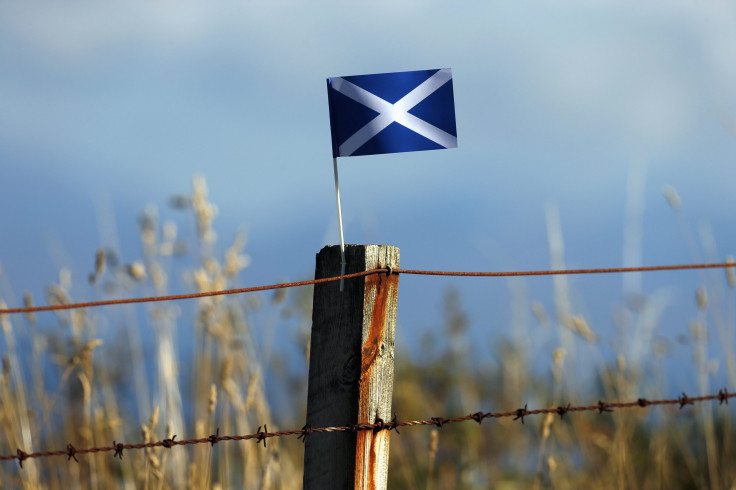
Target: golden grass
x=92, y=377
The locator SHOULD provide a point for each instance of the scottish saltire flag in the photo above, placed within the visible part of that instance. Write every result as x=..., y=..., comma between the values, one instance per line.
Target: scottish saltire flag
x=392, y=112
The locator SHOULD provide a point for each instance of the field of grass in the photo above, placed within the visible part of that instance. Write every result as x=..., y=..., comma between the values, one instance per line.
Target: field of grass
x=140, y=374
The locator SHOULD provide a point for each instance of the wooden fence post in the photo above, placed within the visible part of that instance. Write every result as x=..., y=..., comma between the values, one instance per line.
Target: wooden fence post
x=351, y=369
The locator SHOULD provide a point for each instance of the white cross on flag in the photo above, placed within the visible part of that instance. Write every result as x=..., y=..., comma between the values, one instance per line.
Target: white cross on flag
x=392, y=112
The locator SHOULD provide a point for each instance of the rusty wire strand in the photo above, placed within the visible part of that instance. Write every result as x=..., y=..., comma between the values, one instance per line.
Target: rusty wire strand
x=388, y=270
x=260, y=436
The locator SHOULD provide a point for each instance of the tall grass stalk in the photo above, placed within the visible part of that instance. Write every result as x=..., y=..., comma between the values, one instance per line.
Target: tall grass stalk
x=146, y=373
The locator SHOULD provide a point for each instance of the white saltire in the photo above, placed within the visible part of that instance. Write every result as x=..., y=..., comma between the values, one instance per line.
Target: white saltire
x=398, y=112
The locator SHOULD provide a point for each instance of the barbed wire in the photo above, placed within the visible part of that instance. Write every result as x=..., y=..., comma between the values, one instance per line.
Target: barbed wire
x=259, y=436
x=149, y=299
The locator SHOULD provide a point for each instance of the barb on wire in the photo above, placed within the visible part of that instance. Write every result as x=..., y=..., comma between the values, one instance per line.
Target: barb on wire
x=214, y=438
x=723, y=396
x=394, y=424
x=561, y=411
x=389, y=270
x=71, y=452
x=521, y=413
x=306, y=432
x=118, y=448
x=684, y=400
x=605, y=407
x=168, y=443
x=261, y=435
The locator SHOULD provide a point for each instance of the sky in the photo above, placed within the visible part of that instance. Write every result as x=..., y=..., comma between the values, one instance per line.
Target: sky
x=582, y=110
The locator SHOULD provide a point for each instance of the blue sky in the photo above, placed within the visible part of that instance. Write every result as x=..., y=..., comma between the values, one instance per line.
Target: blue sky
x=588, y=107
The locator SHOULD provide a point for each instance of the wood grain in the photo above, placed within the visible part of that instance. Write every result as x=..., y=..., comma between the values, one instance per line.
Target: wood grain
x=351, y=368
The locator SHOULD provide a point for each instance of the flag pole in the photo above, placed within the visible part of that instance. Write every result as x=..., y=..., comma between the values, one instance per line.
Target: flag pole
x=339, y=219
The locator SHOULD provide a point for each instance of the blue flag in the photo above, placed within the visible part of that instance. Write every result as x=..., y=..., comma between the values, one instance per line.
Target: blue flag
x=392, y=112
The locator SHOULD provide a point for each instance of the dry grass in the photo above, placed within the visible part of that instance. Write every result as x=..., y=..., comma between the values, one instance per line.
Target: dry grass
x=79, y=383
x=639, y=449
x=91, y=377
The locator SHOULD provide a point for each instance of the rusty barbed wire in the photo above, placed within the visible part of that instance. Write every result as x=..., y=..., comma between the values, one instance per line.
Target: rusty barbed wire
x=389, y=270
x=260, y=436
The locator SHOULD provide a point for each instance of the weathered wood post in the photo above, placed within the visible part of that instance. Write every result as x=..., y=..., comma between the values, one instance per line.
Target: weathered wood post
x=351, y=369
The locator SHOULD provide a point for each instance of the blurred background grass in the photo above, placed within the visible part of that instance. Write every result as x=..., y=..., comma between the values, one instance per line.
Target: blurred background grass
x=144, y=373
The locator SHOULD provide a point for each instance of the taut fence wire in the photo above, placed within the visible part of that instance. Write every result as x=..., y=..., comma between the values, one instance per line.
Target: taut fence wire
x=149, y=299
x=117, y=448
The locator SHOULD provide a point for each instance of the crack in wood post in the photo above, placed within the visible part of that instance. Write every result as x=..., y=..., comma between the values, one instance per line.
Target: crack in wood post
x=376, y=378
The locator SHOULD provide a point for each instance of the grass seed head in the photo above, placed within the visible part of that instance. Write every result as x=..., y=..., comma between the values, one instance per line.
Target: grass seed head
x=99, y=262
x=540, y=314
x=730, y=272
x=212, y=398
x=137, y=270
x=28, y=303
x=701, y=298
x=673, y=199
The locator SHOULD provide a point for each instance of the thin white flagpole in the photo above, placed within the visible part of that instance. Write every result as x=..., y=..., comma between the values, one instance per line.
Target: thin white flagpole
x=339, y=219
